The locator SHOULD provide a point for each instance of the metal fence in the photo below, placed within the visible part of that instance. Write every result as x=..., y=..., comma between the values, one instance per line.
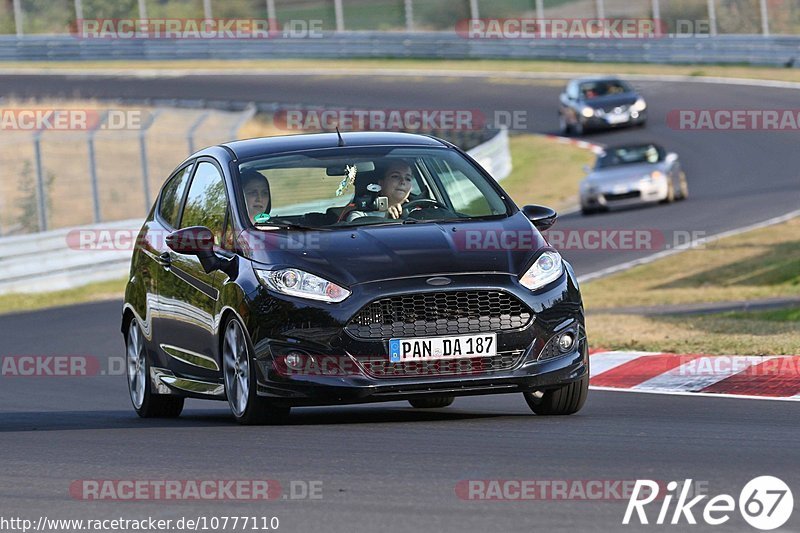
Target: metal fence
x=100, y=169
x=722, y=49
x=766, y=17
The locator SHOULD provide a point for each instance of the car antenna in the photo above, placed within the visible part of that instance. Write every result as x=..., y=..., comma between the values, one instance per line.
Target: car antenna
x=341, y=140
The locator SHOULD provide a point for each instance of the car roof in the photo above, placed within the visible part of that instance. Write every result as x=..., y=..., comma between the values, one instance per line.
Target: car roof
x=587, y=79
x=262, y=146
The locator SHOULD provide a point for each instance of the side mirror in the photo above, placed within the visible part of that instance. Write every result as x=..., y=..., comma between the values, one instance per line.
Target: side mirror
x=671, y=157
x=587, y=169
x=199, y=241
x=542, y=217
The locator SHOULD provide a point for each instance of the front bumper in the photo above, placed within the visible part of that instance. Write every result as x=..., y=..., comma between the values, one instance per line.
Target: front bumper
x=610, y=120
x=339, y=372
x=637, y=192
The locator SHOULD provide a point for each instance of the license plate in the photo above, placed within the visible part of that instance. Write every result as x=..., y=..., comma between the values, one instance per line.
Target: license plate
x=432, y=348
x=617, y=119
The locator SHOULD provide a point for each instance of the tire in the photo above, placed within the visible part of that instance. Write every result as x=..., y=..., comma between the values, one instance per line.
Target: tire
x=563, y=126
x=588, y=211
x=432, y=403
x=578, y=130
x=146, y=404
x=565, y=400
x=240, y=380
x=684, y=188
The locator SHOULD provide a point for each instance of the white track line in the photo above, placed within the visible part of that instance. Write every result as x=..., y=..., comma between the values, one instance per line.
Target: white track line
x=605, y=361
x=699, y=373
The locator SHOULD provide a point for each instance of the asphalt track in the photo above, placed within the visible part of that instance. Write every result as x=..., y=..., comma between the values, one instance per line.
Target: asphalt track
x=386, y=467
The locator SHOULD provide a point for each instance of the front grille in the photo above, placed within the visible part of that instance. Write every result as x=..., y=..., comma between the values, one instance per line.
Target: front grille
x=623, y=196
x=439, y=313
x=382, y=368
x=612, y=108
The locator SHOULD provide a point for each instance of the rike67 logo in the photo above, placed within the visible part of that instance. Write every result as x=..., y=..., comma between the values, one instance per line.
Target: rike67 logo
x=765, y=503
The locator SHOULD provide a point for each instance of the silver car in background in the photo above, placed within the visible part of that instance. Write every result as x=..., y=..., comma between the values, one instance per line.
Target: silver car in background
x=632, y=174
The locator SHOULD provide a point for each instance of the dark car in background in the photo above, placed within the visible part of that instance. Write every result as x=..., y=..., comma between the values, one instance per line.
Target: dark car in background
x=599, y=103
x=325, y=296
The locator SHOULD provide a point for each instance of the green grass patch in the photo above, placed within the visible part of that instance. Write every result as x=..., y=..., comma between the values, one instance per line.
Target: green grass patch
x=103, y=290
x=545, y=172
x=763, y=263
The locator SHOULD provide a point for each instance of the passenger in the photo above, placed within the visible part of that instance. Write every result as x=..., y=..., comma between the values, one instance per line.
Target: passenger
x=396, y=185
x=256, y=192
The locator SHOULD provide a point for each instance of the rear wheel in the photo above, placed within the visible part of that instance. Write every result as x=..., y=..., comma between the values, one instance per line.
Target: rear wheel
x=146, y=404
x=241, y=383
x=565, y=400
x=432, y=403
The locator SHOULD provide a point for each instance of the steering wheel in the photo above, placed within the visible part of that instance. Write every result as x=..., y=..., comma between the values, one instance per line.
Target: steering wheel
x=420, y=204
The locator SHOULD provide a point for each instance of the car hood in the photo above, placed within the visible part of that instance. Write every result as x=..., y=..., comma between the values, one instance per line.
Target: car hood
x=622, y=173
x=375, y=253
x=607, y=103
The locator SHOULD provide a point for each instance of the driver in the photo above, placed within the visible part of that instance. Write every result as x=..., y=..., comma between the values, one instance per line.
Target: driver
x=396, y=185
x=256, y=192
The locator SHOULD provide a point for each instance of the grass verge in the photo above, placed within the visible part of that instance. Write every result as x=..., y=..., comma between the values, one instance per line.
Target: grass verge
x=93, y=292
x=498, y=65
x=763, y=263
x=545, y=172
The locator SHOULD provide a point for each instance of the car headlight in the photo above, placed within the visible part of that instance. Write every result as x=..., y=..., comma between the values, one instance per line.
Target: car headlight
x=639, y=105
x=587, y=112
x=653, y=177
x=298, y=283
x=547, y=268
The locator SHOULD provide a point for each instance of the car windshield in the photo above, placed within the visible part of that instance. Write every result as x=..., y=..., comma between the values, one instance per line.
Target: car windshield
x=629, y=155
x=601, y=88
x=361, y=186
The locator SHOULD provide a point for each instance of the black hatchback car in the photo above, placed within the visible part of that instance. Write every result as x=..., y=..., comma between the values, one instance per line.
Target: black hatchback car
x=324, y=269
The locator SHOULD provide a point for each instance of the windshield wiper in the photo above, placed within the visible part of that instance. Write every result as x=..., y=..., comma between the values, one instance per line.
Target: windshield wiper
x=277, y=222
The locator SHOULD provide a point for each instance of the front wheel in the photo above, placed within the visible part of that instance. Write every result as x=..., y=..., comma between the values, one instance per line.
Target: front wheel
x=565, y=400
x=146, y=404
x=432, y=403
x=241, y=383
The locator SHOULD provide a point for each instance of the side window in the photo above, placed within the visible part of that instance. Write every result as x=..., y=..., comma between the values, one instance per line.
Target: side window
x=465, y=196
x=206, y=203
x=171, y=196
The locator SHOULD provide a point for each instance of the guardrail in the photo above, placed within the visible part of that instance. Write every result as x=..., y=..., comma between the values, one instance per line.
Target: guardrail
x=742, y=49
x=54, y=260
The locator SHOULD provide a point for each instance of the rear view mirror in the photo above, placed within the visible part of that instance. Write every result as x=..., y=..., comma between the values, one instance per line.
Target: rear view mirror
x=199, y=241
x=195, y=240
x=542, y=217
